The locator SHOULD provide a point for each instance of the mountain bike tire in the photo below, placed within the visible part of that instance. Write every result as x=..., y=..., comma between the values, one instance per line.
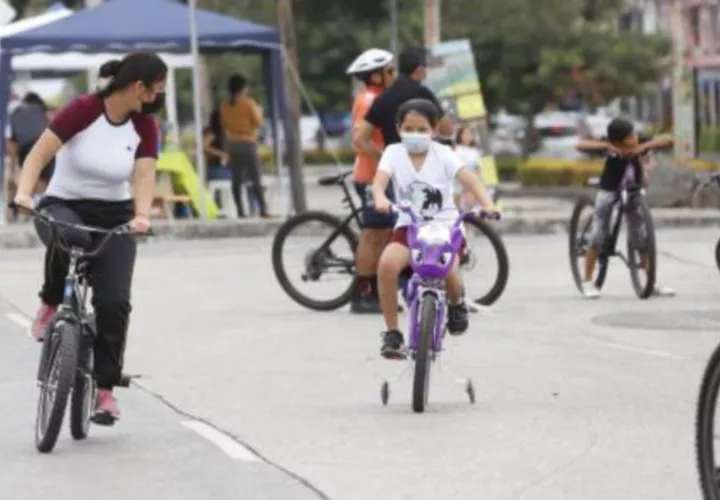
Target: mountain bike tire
x=421, y=377
x=83, y=394
x=501, y=278
x=704, y=428
x=575, y=233
x=61, y=370
x=281, y=274
x=646, y=290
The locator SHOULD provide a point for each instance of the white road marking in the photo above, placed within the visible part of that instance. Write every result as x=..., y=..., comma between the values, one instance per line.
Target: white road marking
x=649, y=352
x=232, y=448
x=20, y=320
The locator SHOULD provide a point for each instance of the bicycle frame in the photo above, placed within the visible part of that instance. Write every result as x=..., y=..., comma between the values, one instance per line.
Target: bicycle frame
x=626, y=200
x=347, y=200
x=433, y=248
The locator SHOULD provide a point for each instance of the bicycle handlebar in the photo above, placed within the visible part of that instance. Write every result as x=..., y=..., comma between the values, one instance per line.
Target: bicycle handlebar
x=54, y=224
x=474, y=213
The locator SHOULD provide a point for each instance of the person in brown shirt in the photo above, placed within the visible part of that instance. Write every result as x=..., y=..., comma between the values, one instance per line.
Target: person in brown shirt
x=241, y=118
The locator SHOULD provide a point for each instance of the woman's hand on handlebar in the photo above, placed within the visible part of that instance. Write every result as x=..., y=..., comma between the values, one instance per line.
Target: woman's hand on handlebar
x=140, y=224
x=23, y=201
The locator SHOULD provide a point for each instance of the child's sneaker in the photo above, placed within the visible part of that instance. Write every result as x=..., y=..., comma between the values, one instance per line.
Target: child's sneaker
x=589, y=290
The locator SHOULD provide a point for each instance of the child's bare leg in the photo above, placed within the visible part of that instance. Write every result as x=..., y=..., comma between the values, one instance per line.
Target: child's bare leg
x=454, y=285
x=457, y=321
x=394, y=259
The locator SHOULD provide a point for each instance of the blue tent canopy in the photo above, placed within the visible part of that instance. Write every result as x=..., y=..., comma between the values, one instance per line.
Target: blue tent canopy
x=158, y=25
x=126, y=25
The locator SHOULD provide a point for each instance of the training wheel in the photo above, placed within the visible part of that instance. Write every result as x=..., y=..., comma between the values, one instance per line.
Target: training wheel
x=385, y=393
x=470, y=390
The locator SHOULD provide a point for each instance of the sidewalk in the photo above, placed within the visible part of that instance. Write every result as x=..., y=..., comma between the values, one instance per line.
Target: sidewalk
x=527, y=217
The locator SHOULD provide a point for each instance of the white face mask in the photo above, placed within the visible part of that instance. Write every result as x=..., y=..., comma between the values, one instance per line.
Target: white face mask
x=416, y=142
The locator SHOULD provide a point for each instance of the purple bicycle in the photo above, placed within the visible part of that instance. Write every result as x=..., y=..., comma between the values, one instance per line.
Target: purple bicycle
x=433, y=247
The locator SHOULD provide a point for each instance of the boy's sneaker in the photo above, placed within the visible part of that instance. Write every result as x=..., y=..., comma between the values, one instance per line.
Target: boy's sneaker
x=393, y=346
x=589, y=290
x=457, y=322
x=364, y=304
x=663, y=291
x=106, y=408
x=43, y=317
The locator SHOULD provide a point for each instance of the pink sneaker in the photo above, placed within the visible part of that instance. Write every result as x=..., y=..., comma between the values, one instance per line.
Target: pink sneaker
x=106, y=408
x=42, y=319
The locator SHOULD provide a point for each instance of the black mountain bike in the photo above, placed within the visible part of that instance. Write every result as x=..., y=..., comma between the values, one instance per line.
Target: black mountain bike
x=66, y=365
x=705, y=437
x=641, y=257
x=323, y=262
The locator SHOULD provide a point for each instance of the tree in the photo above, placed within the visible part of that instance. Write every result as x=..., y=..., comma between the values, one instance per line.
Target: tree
x=531, y=53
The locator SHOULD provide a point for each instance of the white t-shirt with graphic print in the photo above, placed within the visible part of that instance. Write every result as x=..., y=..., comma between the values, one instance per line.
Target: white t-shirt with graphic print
x=428, y=189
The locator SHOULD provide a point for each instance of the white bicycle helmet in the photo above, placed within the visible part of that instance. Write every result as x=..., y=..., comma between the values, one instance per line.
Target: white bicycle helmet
x=370, y=60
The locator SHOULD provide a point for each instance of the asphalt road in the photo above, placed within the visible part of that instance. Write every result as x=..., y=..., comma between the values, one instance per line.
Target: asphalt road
x=576, y=400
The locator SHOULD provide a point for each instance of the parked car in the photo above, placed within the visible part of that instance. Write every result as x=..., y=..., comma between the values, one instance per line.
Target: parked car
x=557, y=133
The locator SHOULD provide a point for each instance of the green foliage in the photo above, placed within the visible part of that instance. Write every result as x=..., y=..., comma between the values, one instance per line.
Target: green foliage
x=528, y=52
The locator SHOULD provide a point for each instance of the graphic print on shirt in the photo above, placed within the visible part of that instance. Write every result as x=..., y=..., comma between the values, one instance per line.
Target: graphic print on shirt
x=424, y=198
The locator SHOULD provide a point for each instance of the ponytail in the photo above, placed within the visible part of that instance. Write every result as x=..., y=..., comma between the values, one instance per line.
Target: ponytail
x=109, y=69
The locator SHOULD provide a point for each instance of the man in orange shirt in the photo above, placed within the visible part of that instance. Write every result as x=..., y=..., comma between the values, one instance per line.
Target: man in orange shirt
x=375, y=70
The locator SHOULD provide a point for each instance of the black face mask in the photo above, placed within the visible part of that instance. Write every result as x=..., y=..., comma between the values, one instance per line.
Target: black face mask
x=150, y=108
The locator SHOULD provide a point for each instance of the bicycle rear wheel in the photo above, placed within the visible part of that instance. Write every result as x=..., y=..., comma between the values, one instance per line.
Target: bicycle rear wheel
x=705, y=429
x=317, y=263
x=717, y=254
x=421, y=378
x=642, y=259
x=483, y=234
x=56, y=384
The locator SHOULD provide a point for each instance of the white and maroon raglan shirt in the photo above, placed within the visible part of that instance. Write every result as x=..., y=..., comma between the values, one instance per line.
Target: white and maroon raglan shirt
x=98, y=156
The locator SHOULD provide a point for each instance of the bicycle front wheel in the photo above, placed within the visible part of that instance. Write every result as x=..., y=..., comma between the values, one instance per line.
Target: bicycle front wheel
x=482, y=240
x=421, y=379
x=717, y=254
x=642, y=255
x=705, y=429
x=56, y=384
x=83, y=393
x=323, y=265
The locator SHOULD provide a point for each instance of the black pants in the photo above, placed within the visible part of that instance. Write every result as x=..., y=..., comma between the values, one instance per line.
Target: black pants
x=110, y=276
x=245, y=167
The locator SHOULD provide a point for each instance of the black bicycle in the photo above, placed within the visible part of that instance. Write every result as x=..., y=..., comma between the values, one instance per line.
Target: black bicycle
x=641, y=257
x=66, y=364
x=705, y=437
x=326, y=261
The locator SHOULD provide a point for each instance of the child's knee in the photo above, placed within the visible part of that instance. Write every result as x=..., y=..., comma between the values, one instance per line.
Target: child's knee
x=393, y=260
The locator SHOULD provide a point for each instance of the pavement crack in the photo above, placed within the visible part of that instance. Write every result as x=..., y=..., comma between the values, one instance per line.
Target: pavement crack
x=185, y=414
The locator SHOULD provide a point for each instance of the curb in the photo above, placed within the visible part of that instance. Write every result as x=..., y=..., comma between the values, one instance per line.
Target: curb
x=23, y=236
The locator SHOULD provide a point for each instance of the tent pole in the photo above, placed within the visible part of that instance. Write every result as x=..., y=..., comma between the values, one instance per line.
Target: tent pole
x=197, y=109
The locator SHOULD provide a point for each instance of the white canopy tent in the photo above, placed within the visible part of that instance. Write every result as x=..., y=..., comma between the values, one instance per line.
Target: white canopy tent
x=77, y=61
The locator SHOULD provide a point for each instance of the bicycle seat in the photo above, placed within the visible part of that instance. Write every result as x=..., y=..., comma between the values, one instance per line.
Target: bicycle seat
x=330, y=180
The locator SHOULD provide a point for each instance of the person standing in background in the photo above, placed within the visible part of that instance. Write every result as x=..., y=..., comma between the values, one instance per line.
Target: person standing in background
x=216, y=158
x=466, y=148
x=27, y=122
x=241, y=117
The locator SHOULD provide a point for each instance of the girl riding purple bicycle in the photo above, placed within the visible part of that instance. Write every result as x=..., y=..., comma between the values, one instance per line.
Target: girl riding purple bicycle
x=422, y=172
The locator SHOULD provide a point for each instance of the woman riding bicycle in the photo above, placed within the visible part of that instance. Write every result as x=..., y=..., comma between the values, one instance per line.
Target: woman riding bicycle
x=102, y=143
x=422, y=173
